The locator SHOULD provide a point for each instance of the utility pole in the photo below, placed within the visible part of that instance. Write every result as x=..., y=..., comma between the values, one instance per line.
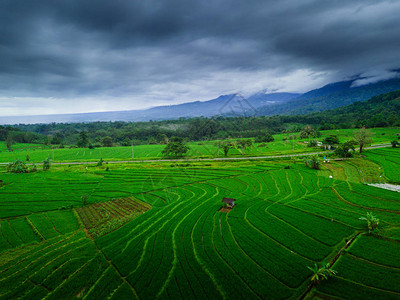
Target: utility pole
x=132, y=150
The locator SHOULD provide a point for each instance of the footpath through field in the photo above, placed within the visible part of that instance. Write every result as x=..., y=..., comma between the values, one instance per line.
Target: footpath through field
x=203, y=159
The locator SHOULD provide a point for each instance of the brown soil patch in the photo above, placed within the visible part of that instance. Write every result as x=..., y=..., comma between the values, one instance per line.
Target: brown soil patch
x=225, y=209
x=103, y=217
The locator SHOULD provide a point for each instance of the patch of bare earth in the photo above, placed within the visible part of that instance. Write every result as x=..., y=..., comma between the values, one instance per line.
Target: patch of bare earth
x=105, y=217
x=225, y=209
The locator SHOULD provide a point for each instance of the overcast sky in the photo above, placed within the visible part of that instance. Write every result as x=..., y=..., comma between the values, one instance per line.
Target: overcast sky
x=85, y=56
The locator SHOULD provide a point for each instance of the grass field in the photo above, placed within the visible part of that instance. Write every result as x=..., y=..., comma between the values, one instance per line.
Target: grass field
x=205, y=149
x=155, y=231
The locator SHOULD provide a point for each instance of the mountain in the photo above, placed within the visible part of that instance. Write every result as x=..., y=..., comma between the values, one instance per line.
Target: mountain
x=379, y=111
x=226, y=104
x=260, y=104
x=330, y=96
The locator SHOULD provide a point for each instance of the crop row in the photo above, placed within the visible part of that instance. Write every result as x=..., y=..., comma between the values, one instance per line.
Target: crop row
x=25, y=230
x=286, y=234
x=389, y=159
x=388, y=200
x=61, y=267
x=15, y=233
x=322, y=229
x=378, y=250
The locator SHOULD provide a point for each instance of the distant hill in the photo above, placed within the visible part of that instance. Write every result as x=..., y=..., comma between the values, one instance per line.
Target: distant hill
x=260, y=104
x=379, y=111
x=329, y=97
x=225, y=104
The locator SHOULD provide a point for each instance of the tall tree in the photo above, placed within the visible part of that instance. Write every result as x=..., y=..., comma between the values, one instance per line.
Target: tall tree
x=363, y=137
x=83, y=140
x=175, y=147
x=107, y=141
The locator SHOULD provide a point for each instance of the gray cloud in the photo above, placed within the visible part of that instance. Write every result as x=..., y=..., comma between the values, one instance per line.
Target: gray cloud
x=85, y=56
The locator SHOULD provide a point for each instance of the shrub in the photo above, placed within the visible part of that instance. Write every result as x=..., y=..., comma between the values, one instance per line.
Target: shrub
x=100, y=162
x=264, y=138
x=107, y=141
x=46, y=164
x=312, y=143
x=312, y=162
x=395, y=143
x=17, y=166
x=345, y=149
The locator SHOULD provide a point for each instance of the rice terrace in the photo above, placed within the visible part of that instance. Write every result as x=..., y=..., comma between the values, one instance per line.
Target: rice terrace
x=154, y=230
x=200, y=150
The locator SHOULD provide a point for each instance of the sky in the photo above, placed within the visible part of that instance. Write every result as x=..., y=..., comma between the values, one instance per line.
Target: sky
x=70, y=56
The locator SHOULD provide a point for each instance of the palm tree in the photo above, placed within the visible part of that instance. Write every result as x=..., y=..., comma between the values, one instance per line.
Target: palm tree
x=321, y=273
x=372, y=221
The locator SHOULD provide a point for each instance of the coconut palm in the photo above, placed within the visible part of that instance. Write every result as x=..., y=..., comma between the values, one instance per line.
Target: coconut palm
x=321, y=273
x=372, y=221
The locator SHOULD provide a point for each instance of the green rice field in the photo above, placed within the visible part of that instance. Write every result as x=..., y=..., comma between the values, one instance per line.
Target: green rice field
x=207, y=149
x=161, y=233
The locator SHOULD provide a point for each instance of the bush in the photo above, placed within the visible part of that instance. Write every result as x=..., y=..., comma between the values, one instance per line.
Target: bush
x=312, y=162
x=17, y=166
x=345, y=149
x=264, y=138
x=100, y=162
x=395, y=143
x=107, y=141
x=312, y=143
x=46, y=164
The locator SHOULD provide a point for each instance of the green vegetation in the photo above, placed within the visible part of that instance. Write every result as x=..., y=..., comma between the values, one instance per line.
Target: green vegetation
x=379, y=111
x=17, y=166
x=313, y=162
x=175, y=148
x=389, y=159
x=321, y=273
x=283, y=144
x=372, y=221
x=155, y=230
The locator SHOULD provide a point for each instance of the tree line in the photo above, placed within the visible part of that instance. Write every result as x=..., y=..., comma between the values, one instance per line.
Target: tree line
x=379, y=111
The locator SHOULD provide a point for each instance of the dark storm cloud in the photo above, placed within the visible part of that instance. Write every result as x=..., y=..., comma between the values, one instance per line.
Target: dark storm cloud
x=151, y=52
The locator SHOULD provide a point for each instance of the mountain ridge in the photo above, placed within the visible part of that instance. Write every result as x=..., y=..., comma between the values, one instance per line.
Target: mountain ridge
x=328, y=97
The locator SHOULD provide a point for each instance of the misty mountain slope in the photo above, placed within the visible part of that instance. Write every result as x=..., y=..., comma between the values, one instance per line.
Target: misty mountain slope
x=328, y=97
x=222, y=105
x=331, y=96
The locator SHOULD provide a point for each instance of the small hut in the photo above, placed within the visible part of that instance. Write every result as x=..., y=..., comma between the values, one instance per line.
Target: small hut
x=229, y=201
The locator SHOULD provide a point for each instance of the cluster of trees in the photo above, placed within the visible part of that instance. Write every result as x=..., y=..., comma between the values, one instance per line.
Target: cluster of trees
x=379, y=111
x=19, y=166
x=12, y=135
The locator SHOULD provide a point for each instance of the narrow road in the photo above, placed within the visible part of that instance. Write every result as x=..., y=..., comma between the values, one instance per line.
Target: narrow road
x=203, y=159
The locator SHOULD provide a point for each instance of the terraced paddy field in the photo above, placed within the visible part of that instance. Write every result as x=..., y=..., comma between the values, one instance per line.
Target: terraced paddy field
x=155, y=231
x=389, y=160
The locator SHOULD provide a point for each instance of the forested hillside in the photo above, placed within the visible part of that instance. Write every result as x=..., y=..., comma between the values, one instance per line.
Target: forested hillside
x=379, y=111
